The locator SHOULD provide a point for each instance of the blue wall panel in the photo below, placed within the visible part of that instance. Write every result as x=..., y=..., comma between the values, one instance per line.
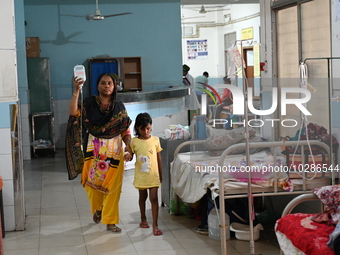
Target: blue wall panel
x=69, y=41
x=5, y=120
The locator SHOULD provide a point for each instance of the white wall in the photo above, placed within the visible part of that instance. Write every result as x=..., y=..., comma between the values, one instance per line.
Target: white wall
x=212, y=27
x=8, y=93
x=8, y=84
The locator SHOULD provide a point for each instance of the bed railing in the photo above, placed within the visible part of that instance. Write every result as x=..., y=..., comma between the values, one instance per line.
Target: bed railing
x=274, y=150
x=193, y=143
x=298, y=200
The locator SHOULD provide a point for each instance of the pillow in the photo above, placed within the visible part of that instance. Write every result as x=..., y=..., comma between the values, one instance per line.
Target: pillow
x=216, y=131
x=239, y=132
x=257, y=139
x=330, y=197
x=253, y=139
x=216, y=144
x=219, y=142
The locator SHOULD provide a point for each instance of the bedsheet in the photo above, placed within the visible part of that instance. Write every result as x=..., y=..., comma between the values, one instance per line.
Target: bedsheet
x=193, y=172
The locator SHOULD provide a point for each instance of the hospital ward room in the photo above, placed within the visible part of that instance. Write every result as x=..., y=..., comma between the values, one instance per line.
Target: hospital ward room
x=227, y=187
x=171, y=127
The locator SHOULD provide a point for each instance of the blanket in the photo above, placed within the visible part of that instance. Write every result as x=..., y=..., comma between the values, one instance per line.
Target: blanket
x=298, y=231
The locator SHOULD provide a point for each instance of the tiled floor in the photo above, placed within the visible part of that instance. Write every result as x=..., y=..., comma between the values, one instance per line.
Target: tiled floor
x=59, y=222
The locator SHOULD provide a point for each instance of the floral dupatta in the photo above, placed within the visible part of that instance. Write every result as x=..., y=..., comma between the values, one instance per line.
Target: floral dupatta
x=101, y=123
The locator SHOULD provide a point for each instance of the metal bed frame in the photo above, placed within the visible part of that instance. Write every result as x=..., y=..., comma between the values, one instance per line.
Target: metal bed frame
x=305, y=189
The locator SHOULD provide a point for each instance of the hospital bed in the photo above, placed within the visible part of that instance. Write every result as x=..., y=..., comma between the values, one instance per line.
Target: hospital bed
x=266, y=173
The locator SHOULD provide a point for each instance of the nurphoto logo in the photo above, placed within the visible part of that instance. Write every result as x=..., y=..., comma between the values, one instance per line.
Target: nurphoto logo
x=238, y=105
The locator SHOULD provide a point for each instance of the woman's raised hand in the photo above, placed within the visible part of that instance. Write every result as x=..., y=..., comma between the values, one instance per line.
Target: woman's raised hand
x=78, y=83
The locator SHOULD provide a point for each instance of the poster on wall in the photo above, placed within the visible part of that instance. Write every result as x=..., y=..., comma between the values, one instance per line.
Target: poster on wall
x=197, y=49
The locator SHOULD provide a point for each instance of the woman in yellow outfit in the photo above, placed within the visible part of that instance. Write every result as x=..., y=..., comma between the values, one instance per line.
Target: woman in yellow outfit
x=100, y=124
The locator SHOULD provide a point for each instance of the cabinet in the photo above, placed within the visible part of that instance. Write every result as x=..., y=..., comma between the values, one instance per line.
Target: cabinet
x=128, y=71
x=132, y=71
x=41, y=105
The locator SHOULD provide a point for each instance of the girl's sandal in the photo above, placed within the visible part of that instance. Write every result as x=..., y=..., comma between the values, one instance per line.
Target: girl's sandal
x=157, y=232
x=144, y=225
x=114, y=229
x=97, y=216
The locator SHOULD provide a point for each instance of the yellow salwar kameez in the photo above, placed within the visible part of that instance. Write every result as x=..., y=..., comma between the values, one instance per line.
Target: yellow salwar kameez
x=102, y=176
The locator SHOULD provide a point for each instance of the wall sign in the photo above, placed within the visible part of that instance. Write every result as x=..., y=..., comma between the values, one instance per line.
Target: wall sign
x=247, y=33
x=197, y=49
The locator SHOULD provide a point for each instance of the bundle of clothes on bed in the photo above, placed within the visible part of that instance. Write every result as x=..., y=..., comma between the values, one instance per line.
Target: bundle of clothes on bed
x=218, y=140
x=313, y=234
x=313, y=132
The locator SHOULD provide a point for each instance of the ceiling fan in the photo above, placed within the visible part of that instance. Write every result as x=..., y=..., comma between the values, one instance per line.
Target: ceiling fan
x=97, y=14
x=203, y=10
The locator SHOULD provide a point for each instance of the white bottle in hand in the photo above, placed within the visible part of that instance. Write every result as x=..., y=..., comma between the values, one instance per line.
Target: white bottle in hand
x=79, y=70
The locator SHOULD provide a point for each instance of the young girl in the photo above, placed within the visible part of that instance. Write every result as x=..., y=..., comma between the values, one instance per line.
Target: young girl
x=148, y=168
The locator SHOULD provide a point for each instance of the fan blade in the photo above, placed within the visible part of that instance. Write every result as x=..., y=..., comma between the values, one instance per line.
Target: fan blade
x=219, y=10
x=73, y=35
x=118, y=14
x=89, y=17
x=183, y=18
x=73, y=15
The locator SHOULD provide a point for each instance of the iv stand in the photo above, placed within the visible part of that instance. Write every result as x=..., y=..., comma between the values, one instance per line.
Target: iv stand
x=221, y=183
x=329, y=103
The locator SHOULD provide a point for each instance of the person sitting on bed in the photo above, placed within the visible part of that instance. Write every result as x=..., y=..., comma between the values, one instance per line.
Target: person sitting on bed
x=227, y=99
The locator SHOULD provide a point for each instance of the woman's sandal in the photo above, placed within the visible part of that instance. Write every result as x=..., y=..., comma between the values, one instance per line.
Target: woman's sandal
x=157, y=232
x=114, y=229
x=97, y=216
x=144, y=225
